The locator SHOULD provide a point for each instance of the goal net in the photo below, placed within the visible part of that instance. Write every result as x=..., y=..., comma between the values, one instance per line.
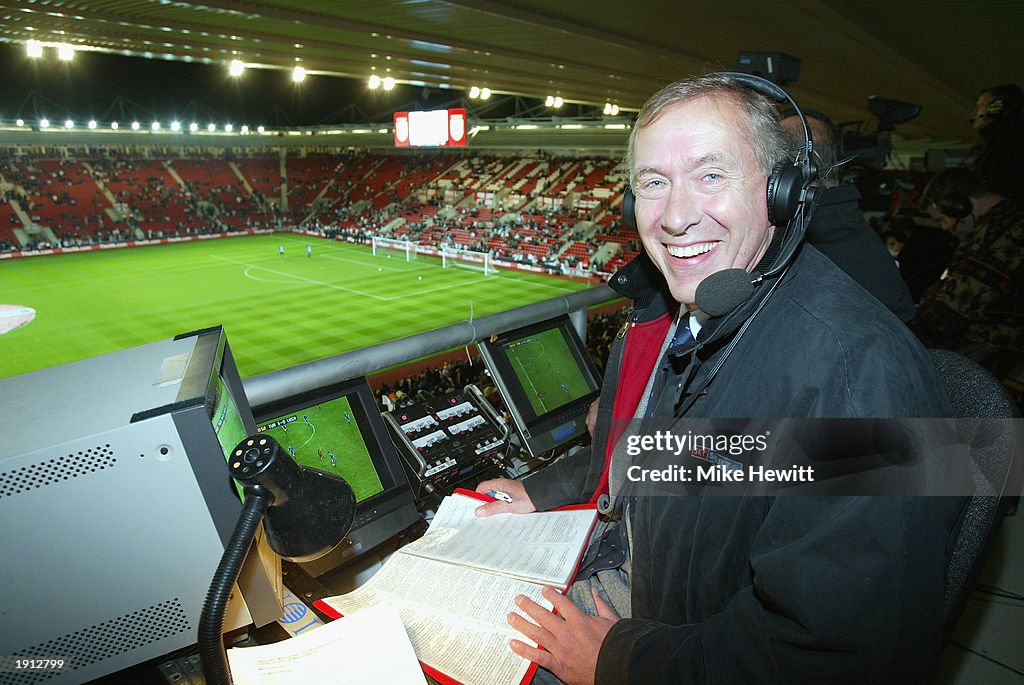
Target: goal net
x=389, y=246
x=467, y=259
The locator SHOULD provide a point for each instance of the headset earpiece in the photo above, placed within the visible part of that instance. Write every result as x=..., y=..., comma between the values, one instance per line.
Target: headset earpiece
x=956, y=205
x=629, y=209
x=996, y=107
x=785, y=186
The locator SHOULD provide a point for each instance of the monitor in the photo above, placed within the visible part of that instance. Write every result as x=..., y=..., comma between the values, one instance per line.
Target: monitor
x=339, y=430
x=547, y=379
x=117, y=505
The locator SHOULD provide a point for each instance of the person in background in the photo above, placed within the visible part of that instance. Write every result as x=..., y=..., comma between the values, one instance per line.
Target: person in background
x=998, y=157
x=977, y=306
x=838, y=228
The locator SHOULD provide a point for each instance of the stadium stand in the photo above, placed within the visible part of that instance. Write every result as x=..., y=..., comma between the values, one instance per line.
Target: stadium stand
x=559, y=213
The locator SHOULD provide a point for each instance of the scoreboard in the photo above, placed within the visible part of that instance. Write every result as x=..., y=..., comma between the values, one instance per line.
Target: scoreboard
x=433, y=128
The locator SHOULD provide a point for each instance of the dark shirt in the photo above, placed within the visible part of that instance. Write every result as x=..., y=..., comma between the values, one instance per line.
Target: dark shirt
x=998, y=158
x=924, y=257
x=839, y=231
x=977, y=308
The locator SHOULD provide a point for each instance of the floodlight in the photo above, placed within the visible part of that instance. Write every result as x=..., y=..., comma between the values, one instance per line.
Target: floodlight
x=558, y=101
x=68, y=123
x=260, y=130
x=193, y=127
x=474, y=92
x=66, y=53
x=211, y=128
x=388, y=83
x=228, y=128
x=34, y=48
x=175, y=125
x=44, y=123
x=549, y=101
x=113, y=125
x=20, y=122
x=236, y=67
x=485, y=93
x=374, y=82
x=136, y=126
x=92, y=123
x=155, y=126
x=298, y=74
x=245, y=128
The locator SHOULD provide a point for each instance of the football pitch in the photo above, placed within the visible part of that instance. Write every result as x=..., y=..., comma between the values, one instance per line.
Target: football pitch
x=547, y=371
x=277, y=311
x=317, y=435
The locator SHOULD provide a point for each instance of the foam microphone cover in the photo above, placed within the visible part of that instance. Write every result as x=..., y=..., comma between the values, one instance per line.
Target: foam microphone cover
x=311, y=511
x=723, y=291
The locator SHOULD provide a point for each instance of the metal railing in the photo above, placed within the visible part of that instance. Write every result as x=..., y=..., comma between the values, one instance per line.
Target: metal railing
x=275, y=385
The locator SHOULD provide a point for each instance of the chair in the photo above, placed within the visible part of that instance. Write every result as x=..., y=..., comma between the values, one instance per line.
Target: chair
x=975, y=395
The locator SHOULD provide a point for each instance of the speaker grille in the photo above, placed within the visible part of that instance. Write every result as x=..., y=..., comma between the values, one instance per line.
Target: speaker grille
x=103, y=641
x=56, y=470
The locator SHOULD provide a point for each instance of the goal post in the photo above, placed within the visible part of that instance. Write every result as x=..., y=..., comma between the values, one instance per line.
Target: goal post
x=386, y=246
x=467, y=259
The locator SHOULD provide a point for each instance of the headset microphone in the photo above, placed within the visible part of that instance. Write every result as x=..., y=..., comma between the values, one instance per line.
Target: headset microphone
x=723, y=291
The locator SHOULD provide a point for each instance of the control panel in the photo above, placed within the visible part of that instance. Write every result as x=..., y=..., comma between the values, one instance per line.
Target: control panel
x=448, y=439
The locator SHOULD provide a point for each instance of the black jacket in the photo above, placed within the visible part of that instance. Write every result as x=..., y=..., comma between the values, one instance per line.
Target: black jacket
x=795, y=589
x=839, y=231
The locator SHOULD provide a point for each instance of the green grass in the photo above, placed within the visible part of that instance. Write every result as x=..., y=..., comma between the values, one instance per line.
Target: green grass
x=547, y=371
x=317, y=435
x=277, y=311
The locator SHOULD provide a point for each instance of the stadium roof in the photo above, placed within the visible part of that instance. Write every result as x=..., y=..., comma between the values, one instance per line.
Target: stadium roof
x=937, y=54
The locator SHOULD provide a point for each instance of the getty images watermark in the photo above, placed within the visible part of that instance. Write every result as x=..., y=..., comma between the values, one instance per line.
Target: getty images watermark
x=821, y=457
x=711, y=449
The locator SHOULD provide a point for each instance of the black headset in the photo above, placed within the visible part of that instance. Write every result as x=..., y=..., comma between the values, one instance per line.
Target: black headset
x=955, y=205
x=995, y=108
x=958, y=184
x=790, y=181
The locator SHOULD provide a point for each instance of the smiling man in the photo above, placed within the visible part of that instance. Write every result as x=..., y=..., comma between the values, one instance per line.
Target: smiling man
x=731, y=589
x=700, y=204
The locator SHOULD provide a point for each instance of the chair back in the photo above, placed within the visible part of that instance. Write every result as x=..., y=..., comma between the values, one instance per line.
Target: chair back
x=976, y=395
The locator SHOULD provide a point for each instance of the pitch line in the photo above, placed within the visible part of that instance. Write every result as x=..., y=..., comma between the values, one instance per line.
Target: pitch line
x=333, y=286
x=410, y=270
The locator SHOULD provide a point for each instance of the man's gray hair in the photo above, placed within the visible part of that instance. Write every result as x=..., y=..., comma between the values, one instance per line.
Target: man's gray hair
x=762, y=118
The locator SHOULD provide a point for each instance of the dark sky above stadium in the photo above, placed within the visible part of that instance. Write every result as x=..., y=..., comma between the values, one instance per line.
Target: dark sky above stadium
x=114, y=88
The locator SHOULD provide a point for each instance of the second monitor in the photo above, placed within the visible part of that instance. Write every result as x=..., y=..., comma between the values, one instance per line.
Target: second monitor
x=338, y=429
x=547, y=379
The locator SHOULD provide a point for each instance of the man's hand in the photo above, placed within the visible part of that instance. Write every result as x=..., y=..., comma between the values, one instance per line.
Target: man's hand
x=569, y=640
x=520, y=504
x=592, y=417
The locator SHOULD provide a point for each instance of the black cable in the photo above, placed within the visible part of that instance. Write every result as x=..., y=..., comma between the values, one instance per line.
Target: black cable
x=211, y=620
x=998, y=592
x=986, y=657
